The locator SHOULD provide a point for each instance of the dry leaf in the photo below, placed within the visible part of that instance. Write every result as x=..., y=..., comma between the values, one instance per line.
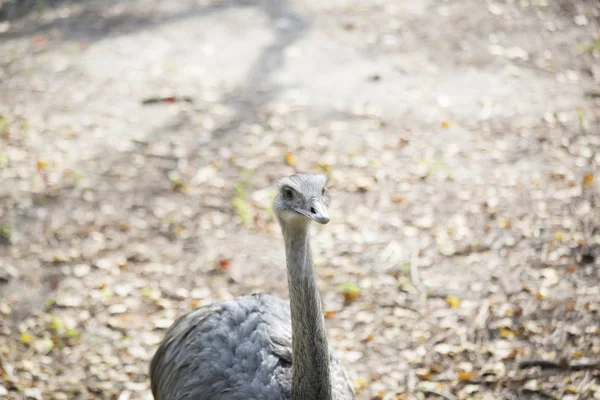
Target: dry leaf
x=402, y=142
x=558, y=235
x=26, y=338
x=506, y=333
x=41, y=165
x=453, y=302
x=224, y=264
x=350, y=291
x=326, y=168
x=445, y=124
x=466, y=376
x=195, y=303
x=540, y=294
x=504, y=223
x=570, y=305
x=423, y=373
x=359, y=384
x=290, y=159
x=349, y=26
x=588, y=179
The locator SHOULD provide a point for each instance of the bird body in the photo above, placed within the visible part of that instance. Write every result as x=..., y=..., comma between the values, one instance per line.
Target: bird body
x=259, y=346
x=249, y=355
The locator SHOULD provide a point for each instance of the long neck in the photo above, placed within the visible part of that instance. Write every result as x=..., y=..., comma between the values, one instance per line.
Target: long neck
x=310, y=368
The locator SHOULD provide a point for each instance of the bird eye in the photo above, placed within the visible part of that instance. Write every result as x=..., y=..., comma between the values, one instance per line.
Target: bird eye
x=323, y=191
x=288, y=193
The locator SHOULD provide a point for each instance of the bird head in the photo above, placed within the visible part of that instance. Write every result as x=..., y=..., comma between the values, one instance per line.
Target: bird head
x=302, y=198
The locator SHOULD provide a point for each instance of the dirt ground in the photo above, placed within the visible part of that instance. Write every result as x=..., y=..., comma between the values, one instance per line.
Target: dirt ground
x=140, y=141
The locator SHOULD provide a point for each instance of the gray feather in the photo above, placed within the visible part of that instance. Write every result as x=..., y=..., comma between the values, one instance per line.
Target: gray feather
x=235, y=349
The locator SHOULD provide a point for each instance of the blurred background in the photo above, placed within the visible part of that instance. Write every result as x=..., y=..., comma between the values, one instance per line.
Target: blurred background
x=140, y=142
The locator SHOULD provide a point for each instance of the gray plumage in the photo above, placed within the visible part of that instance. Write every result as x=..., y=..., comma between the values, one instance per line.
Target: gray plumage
x=260, y=347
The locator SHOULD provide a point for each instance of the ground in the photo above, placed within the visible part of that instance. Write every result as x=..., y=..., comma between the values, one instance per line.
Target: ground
x=139, y=146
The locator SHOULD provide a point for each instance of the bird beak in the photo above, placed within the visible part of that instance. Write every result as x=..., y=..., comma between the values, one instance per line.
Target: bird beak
x=318, y=212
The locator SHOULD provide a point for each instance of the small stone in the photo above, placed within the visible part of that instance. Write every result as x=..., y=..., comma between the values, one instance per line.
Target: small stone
x=580, y=20
x=532, y=385
x=65, y=299
x=81, y=270
x=163, y=323
x=117, y=309
x=33, y=393
x=353, y=356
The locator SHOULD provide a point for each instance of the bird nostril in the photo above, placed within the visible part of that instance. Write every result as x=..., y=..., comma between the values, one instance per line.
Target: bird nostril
x=312, y=210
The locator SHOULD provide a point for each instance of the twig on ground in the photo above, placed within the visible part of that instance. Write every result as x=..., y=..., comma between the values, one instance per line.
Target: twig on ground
x=563, y=365
x=593, y=94
x=447, y=396
x=414, y=268
x=167, y=99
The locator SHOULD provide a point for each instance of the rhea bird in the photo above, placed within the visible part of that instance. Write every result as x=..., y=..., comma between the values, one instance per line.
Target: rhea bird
x=259, y=346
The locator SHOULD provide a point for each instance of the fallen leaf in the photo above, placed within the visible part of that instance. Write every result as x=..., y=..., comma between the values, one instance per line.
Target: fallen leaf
x=466, y=376
x=330, y=314
x=350, y=291
x=558, y=235
x=453, y=302
x=41, y=165
x=224, y=264
x=570, y=305
x=349, y=26
x=195, y=303
x=398, y=199
x=326, y=168
x=423, y=373
x=571, y=389
x=504, y=223
x=402, y=142
x=540, y=294
x=39, y=40
x=26, y=338
x=290, y=159
x=506, y=333
x=445, y=124
x=588, y=179
x=360, y=384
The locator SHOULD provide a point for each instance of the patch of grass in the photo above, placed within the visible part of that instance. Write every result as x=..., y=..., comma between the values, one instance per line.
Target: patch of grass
x=55, y=324
x=592, y=46
x=3, y=160
x=177, y=184
x=581, y=119
x=76, y=177
x=5, y=232
x=41, y=5
x=240, y=203
x=71, y=333
x=25, y=126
